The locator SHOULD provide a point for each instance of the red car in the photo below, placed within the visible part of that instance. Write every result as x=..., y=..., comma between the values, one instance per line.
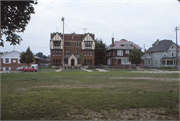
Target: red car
x=22, y=69
x=30, y=69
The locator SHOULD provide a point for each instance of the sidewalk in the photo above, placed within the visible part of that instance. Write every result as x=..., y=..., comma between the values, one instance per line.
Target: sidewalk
x=101, y=70
x=86, y=70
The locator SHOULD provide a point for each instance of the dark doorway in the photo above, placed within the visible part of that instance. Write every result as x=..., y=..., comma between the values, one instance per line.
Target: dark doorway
x=72, y=62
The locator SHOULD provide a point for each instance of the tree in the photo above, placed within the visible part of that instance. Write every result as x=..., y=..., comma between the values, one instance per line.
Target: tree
x=27, y=57
x=135, y=56
x=15, y=15
x=80, y=58
x=100, y=52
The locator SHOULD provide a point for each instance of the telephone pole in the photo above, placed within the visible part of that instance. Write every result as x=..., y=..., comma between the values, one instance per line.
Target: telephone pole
x=177, y=62
x=63, y=45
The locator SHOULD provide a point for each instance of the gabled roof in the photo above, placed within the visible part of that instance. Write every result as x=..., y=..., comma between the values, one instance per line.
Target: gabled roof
x=54, y=34
x=163, y=45
x=10, y=52
x=86, y=35
x=120, y=45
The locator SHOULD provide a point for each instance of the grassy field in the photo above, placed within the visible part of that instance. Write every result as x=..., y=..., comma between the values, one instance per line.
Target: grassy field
x=80, y=95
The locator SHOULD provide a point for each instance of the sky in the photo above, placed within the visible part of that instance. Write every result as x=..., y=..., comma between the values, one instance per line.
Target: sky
x=139, y=21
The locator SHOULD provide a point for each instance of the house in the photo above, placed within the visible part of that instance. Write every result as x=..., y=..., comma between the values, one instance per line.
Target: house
x=117, y=53
x=74, y=45
x=162, y=54
x=10, y=61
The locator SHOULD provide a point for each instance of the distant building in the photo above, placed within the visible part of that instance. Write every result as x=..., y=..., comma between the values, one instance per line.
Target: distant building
x=117, y=53
x=75, y=44
x=10, y=61
x=162, y=54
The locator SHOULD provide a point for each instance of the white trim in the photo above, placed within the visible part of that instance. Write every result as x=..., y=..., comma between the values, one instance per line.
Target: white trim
x=174, y=47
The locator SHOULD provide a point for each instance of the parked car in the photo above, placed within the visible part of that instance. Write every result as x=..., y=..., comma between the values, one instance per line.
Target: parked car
x=19, y=68
x=30, y=69
x=22, y=69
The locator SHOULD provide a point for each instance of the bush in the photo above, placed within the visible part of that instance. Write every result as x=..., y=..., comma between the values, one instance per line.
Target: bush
x=91, y=67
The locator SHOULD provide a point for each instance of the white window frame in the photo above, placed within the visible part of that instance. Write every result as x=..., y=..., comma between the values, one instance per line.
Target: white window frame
x=127, y=51
x=164, y=54
x=172, y=54
x=119, y=52
x=9, y=61
x=125, y=61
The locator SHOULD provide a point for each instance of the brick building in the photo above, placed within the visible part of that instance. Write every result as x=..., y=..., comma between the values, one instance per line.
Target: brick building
x=75, y=44
x=10, y=61
x=117, y=53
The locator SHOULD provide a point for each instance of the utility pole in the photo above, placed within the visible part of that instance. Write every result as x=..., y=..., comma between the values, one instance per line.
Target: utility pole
x=63, y=45
x=177, y=62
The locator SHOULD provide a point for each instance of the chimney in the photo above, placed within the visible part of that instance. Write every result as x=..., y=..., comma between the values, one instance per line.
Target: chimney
x=112, y=41
x=157, y=42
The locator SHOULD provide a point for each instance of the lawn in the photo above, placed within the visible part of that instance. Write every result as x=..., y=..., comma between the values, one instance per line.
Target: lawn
x=80, y=95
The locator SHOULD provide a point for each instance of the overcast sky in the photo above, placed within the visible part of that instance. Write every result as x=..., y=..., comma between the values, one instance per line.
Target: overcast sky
x=139, y=21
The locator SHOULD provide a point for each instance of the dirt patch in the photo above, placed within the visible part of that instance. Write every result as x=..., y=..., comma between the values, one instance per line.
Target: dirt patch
x=146, y=78
x=124, y=114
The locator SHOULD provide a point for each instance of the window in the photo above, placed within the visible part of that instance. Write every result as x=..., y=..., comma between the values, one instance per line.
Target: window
x=115, y=62
x=163, y=62
x=56, y=53
x=66, y=61
x=67, y=52
x=172, y=53
x=60, y=61
x=56, y=60
x=53, y=61
x=67, y=43
x=85, y=62
x=119, y=61
x=77, y=44
x=155, y=54
x=90, y=53
x=84, y=53
x=90, y=62
x=149, y=54
x=56, y=43
x=169, y=62
x=127, y=51
x=88, y=44
x=110, y=53
x=114, y=53
x=164, y=54
x=7, y=68
x=77, y=52
x=87, y=52
x=156, y=62
x=14, y=61
x=125, y=61
x=120, y=52
x=53, y=53
x=59, y=53
x=7, y=60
